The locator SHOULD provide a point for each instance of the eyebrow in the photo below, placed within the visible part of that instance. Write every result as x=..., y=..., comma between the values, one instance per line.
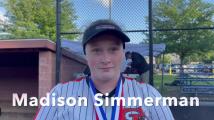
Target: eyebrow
x=114, y=44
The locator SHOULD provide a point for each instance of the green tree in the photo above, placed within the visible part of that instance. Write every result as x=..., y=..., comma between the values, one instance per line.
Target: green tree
x=167, y=59
x=37, y=18
x=207, y=57
x=174, y=14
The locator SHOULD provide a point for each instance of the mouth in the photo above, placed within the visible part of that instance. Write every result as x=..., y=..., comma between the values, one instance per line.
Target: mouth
x=106, y=68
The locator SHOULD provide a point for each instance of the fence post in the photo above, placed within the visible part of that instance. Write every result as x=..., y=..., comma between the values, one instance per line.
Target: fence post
x=58, y=42
x=150, y=45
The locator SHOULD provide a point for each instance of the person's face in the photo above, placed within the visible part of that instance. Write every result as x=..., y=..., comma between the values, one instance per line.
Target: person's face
x=104, y=55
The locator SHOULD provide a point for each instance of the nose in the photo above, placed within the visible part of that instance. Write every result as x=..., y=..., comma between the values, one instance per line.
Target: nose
x=106, y=58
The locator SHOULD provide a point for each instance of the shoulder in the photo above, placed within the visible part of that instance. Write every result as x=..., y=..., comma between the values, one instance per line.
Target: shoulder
x=131, y=79
x=60, y=87
x=128, y=78
x=149, y=90
x=145, y=88
x=132, y=82
x=77, y=80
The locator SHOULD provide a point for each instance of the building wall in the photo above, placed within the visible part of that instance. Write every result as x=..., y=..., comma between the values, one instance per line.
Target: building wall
x=29, y=67
x=69, y=68
x=18, y=74
x=17, y=80
x=46, y=72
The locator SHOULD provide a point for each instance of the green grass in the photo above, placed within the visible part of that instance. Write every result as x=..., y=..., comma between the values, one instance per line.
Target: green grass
x=166, y=79
x=166, y=90
x=203, y=83
x=175, y=91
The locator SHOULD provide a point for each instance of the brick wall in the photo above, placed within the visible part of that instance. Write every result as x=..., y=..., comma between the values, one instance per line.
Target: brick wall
x=69, y=67
x=18, y=74
x=46, y=72
x=17, y=80
x=28, y=66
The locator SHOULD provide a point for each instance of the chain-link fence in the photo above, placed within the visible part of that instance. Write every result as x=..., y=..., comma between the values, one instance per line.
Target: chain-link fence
x=187, y=29
x=130, y=15
x=184, y=26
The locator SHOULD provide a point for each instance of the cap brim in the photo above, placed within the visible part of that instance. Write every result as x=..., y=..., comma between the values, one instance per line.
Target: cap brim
x=117, y=33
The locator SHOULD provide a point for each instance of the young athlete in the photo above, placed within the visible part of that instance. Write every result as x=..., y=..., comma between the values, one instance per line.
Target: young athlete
x=103, y=44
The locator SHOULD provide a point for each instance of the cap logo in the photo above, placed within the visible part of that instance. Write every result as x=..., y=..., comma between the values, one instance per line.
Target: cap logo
x=105, y=27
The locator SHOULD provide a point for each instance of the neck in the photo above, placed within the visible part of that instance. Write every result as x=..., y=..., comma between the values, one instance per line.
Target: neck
x=105, y=86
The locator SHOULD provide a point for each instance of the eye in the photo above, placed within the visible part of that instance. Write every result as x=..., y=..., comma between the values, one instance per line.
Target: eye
x=96, y=50
x=113, y=49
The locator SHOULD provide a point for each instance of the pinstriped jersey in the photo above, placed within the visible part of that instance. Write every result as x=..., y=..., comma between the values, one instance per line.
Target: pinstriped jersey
x=80, y=88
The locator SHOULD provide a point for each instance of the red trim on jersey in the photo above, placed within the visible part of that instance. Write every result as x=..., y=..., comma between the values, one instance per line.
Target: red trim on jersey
x=65, y=82
x=37, y=112
x=129, y=78
x=97, y=118
x=142, y=82
x=78, y=79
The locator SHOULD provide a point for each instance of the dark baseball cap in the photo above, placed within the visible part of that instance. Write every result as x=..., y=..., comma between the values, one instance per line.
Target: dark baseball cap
x=103, y=26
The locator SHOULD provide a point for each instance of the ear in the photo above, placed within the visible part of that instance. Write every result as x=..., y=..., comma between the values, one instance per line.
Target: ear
x=86, y=57
x=124, y=54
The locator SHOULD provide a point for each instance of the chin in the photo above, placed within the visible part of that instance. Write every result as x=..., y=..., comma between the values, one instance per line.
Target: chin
x=106, y=76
